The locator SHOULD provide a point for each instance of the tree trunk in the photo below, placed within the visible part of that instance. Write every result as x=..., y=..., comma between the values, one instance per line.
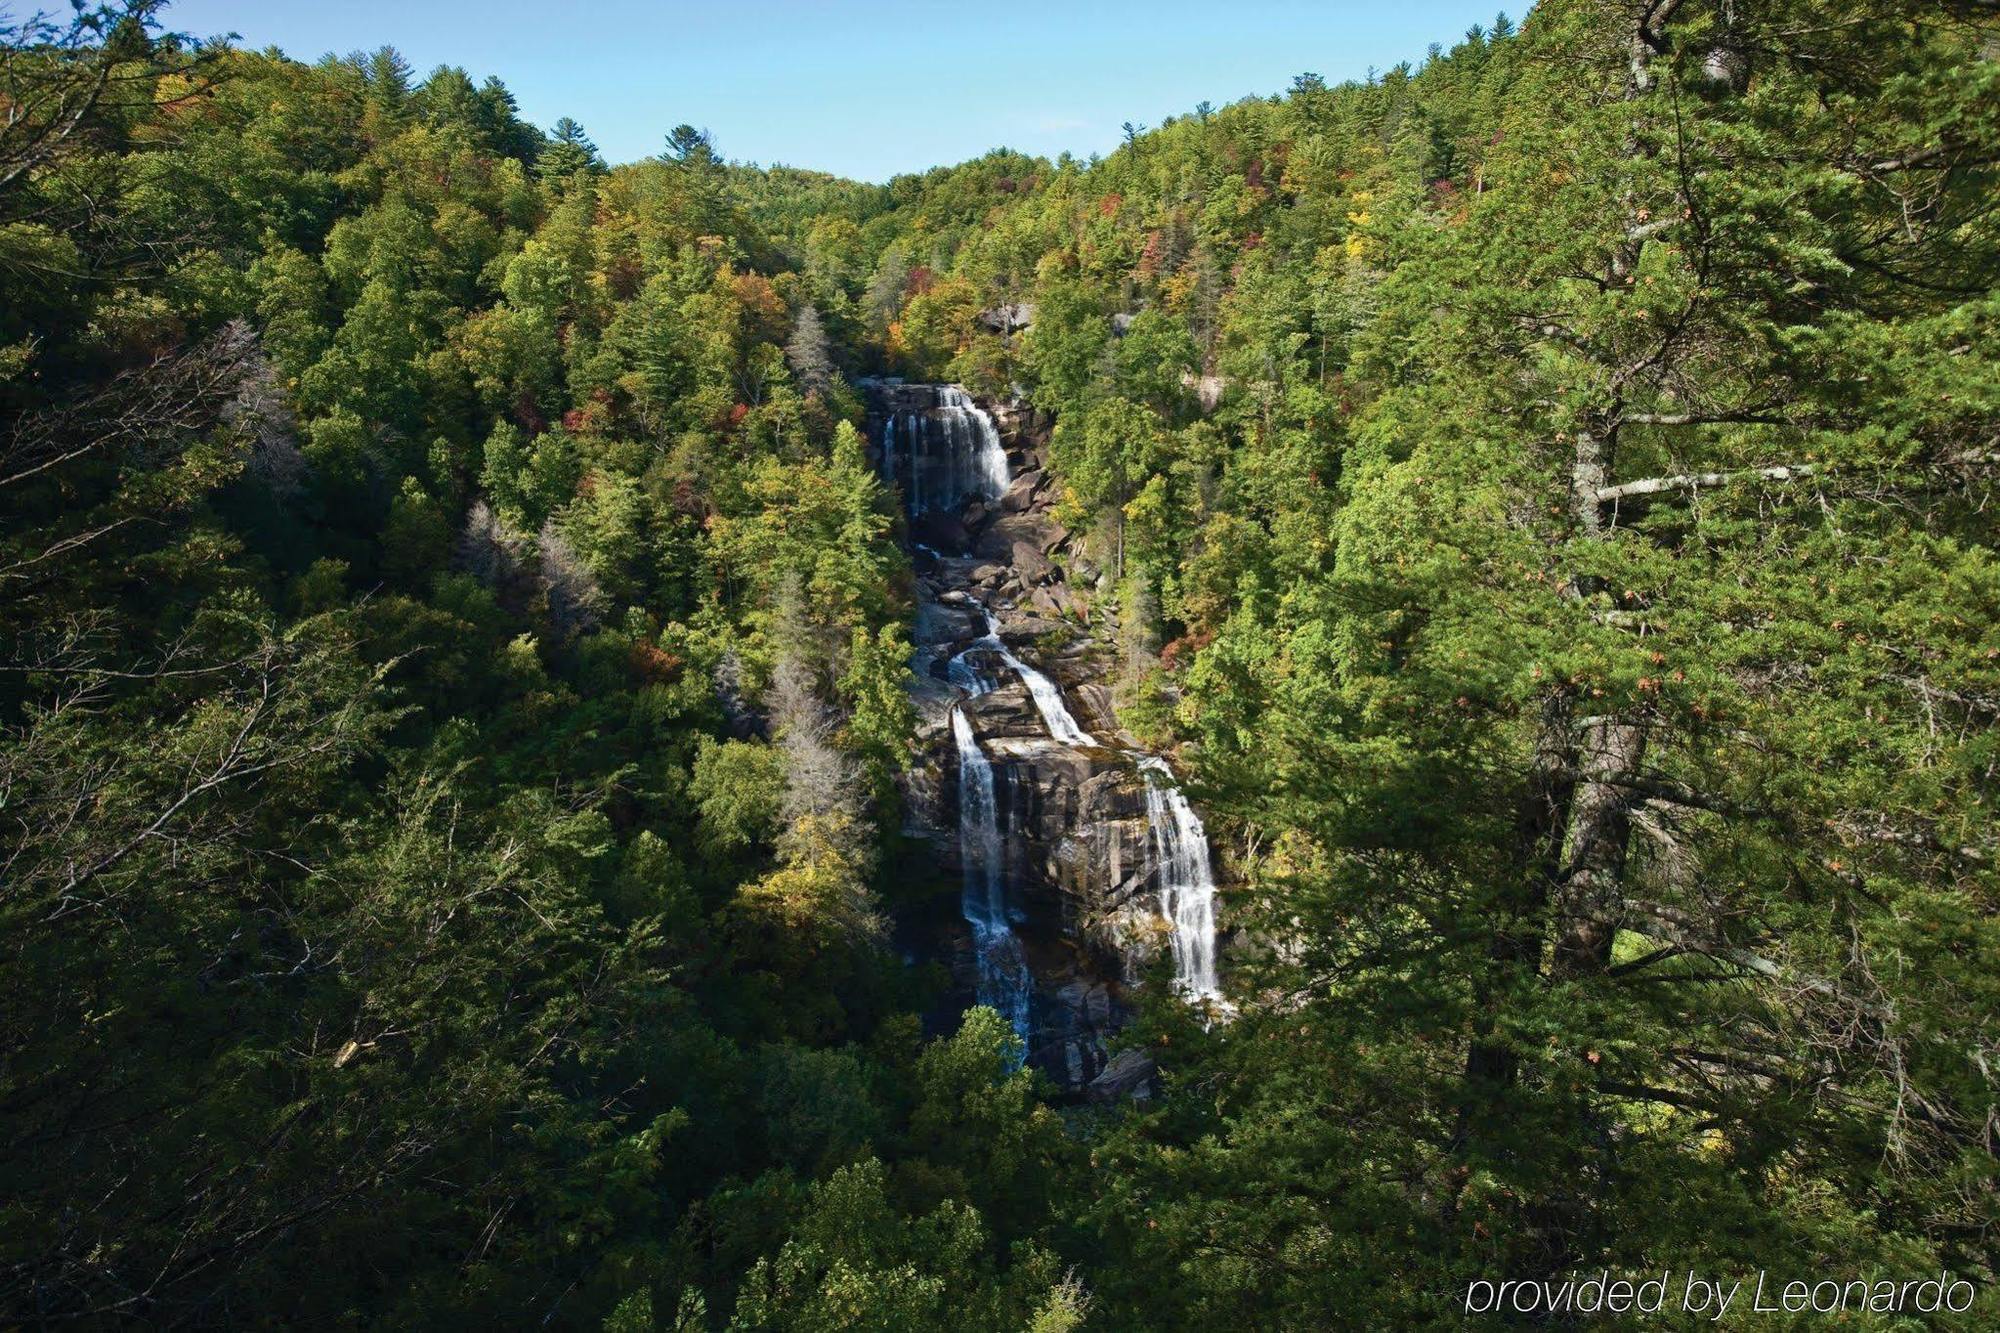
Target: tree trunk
x=1590, y=902
x=1541, y=820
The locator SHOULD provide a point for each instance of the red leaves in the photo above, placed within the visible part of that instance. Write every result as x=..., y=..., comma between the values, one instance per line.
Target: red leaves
x=1185, y=647
x=655, y=665
x=528, y=414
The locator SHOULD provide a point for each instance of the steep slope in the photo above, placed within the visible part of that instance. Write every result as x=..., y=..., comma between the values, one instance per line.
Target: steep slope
x=1099, y=865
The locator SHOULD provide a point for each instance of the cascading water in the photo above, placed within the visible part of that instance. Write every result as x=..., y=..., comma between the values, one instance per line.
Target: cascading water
x=1186, y=880
x=1062, y=723
x=1004, y=983
x=945, y=451
x=1183, y=872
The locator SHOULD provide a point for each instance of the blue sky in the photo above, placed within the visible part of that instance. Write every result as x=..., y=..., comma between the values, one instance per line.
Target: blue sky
x=865, y=90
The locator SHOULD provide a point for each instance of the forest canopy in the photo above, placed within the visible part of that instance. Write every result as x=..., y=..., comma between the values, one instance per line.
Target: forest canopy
x=454, y=644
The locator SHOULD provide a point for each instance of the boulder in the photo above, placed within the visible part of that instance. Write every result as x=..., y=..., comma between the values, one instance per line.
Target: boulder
x=940, y=623
x=1016, y=629
x=1032, y=566
x=942, y=530
x=1008, y=318
x=1022, y=491
x=1092, y=702
x=1006, y=712
x=1130, y=1074
x=1055, y=600
x=999, y=538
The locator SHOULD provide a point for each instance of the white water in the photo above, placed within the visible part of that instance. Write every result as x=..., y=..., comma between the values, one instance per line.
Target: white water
x=1049, y=702
x=1004, y=983
x=1187, y=881
x=952, y=450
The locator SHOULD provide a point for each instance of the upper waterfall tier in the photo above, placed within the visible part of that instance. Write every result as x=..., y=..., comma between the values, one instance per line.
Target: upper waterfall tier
x=941, y=448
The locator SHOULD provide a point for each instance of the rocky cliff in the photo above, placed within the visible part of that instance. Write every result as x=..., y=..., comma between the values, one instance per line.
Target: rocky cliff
x=1079, y=856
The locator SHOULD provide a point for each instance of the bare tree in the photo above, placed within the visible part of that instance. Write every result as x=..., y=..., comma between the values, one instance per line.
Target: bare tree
x=808, y=354
x=820, y=777
x=575, y=601
x=489, y=550
x=152, y=408
x=144, y=419
x=260, y=415
x=56, y=75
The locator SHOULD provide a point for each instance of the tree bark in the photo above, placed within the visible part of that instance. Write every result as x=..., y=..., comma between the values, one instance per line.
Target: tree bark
x=1590, y=902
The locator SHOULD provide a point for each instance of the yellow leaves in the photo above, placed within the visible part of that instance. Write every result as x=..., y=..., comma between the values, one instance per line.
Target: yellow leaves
x=1358, y=217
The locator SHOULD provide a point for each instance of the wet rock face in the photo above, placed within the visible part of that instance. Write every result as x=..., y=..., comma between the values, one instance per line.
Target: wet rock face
x=1078, y=851
x=1077, y=863
x=1077, y=845
x=1081, y=838
x=1073, y=820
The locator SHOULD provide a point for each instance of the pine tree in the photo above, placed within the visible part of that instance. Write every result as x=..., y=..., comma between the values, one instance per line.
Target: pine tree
x=568, y=151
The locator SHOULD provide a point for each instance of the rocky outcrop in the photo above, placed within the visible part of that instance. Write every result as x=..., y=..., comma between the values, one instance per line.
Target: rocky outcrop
x=1008, y=318
x=1078, y=854
x=1078, y=858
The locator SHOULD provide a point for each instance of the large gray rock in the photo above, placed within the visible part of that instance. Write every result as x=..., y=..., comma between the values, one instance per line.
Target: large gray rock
x=1032, y=566
x=1008, y=318
x=1003, y=534
x=1022, y=491
x=1129, y=1074
x=1008, y=711
x=938, y=623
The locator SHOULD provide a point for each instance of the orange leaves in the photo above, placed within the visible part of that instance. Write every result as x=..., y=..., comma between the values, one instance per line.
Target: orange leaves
x=655, y=665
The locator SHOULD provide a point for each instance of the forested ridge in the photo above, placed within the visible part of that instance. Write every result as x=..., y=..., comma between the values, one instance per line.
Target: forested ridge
x=453, y=689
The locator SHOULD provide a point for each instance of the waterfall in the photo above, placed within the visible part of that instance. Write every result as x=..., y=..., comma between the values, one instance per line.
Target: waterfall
x=1049, y=702
x=953, y=451
x=946, y=452
x=1187, y=882
x=1004, y=983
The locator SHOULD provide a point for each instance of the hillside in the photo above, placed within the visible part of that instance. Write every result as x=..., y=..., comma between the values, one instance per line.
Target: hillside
x=496, y=740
